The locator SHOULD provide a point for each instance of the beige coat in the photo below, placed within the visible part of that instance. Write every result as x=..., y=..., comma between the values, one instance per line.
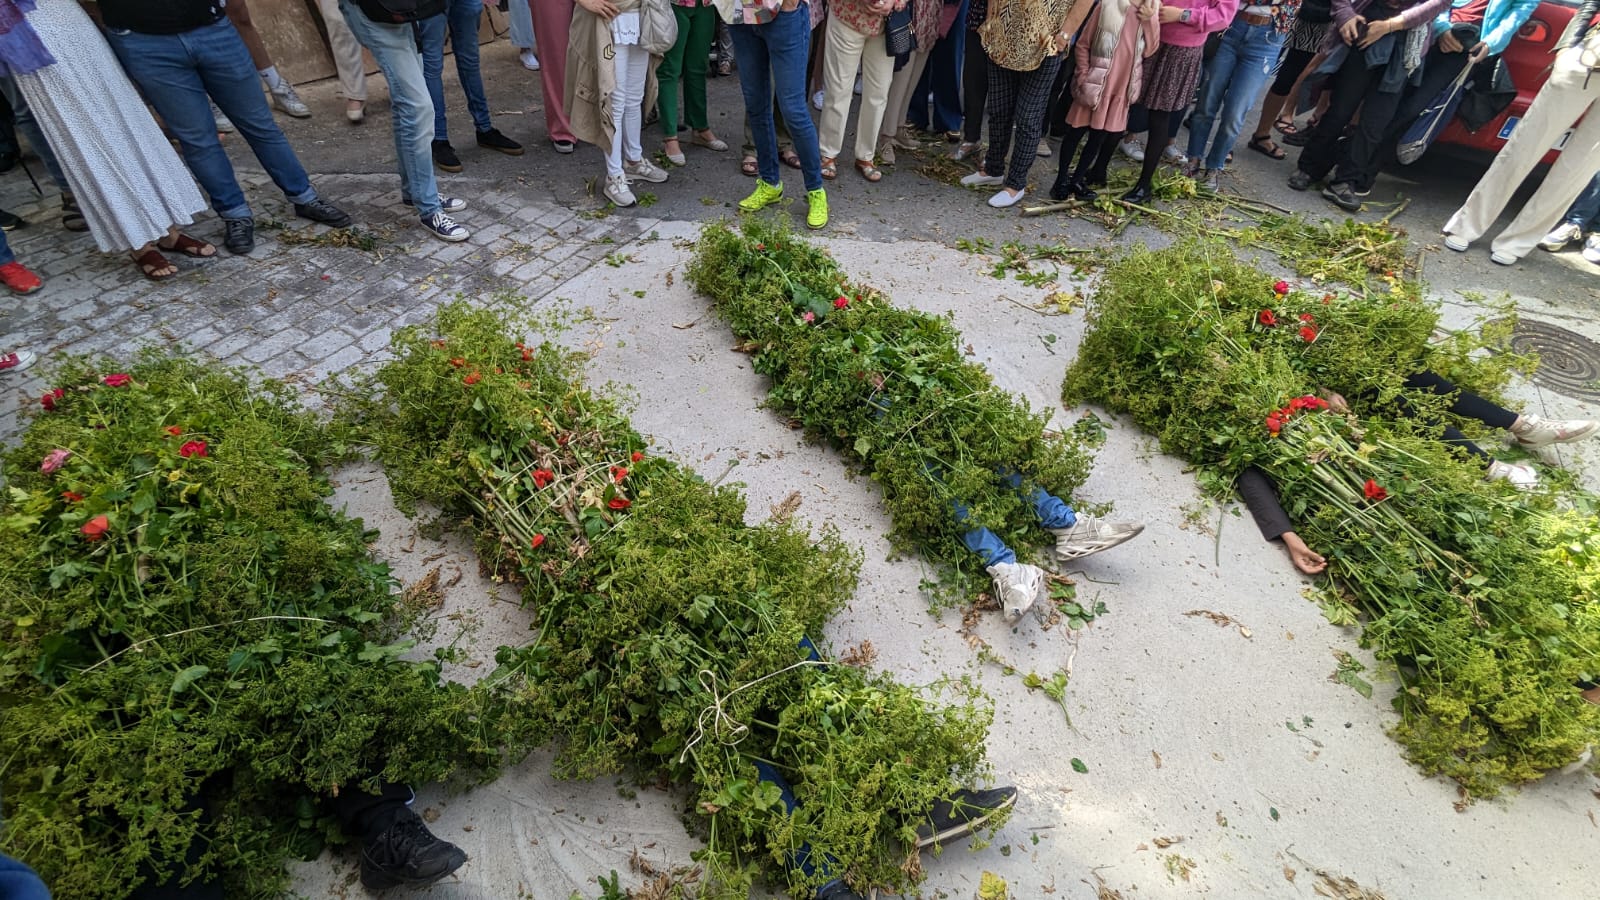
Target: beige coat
x=592, y=79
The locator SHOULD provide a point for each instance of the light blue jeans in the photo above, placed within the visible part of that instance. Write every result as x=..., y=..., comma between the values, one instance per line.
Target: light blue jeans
x=461, y=17
x=395, y=49
x=1234, y=81
x=1051, y=511
x=521, y=25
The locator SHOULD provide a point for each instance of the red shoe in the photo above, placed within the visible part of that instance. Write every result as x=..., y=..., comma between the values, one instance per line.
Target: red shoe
x=16, y=276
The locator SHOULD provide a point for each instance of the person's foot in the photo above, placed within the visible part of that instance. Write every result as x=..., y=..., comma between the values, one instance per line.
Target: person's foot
x=672, y=149
x=617, y=191
x=1591, y=249
x=562, y=146
x=1502, y=258
x=1533, y=431
x=816, y=101
x=10, y=221
x=239, y=235
x=1132, y=149
x=1560, y=236
x=885, y=151
x=1342, y=195
x=1140, y=194
x=764, y=196
x=528, y=59
x=16, y=361
x=1172, y=156
x=1045, y=151
x=963, y=813
x=964, y=150
x=904, y=141
x=355, y=111
x=1523, y=476
x=451, y=205
x=1207, y=180
x=979, y=179
x=816, y=209
x=494, y=140
x=1096, y=179
x=224, y=124
x=1006, y=197
x=1081, y=190
x=1300, y=181
x=1091, y=534
x=444, y=156
x=72, y=215
x=644, y=170
x=441, y=226
x=1061, y=190
x=1457, y=243
x=407, y=853
x=1017, y=586
x=286, y=100
x=19, y=279
x=320, y=210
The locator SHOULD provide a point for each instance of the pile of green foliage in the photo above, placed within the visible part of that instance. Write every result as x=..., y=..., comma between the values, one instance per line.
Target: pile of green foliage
x=1483, y=596
x=890, y=388
x=669, y=634
x=184, y=620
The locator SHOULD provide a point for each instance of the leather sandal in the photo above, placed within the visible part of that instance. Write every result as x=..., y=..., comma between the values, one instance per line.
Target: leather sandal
x=830, y=168
x=151, y=261
x=868, y=171
x=188, y=246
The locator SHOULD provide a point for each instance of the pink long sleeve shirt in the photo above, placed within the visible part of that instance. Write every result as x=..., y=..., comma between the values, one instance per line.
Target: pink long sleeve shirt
x=1208, y=16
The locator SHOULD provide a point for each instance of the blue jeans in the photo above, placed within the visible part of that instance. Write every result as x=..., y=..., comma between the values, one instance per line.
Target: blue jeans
x=462, y=18
x=772, y=58
x=6, y=259
x=1234, y=80
x=175, y=72
x=1051, y=511
x=395, y=49
x=521, y=24
x=942, y=78
x=18, y=882
x=1583, y=213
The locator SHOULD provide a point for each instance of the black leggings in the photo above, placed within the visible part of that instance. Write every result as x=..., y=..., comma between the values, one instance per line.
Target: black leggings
x=1294, y=62
x=1091, y=152
x=1466, y=405
x=974, y=87
x=1156, y=144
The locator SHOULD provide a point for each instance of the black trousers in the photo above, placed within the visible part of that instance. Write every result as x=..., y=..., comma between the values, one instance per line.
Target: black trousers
x=1294, y=62
x=974, y=87
x=1017, y=100
x=1354, y=162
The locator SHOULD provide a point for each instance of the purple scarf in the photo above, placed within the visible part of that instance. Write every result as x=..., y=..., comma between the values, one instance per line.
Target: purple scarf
x=21, y=51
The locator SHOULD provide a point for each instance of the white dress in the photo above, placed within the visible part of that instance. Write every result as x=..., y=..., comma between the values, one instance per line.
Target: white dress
x=128, y=180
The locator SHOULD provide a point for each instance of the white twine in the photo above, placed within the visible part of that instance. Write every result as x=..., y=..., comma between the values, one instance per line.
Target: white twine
x=720, y=720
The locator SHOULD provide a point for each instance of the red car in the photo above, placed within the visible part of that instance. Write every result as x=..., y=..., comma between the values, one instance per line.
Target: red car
x=1529, y=57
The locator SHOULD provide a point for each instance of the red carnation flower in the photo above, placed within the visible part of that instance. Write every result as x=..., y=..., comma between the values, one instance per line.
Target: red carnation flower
x=193, y=448
x=1374, y=491
x=1308, y=333
x=1307, y=318
x=1274, y=424
x=637, y=456
x=527, y=354
x=72, y=496
x=1281, y=288
x=618, y=473
x=95, y=528
x=619, y=503
x=543, y=477
x=538, y=541
x=473, y=378
x=117, y=380
x=1267, y=317
x=458, y=362
x=841, y=302
x=174, y=430
x=48, y=401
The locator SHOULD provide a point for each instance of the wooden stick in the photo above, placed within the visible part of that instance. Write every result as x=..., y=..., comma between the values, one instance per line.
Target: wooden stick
x=1405, y=202
x=1031, y=211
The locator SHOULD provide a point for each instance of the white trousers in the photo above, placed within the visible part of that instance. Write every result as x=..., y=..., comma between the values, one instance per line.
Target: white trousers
x=1568, y=94
x=627, y=118
x=900, y=91
x=346, y=52
x=847, y=48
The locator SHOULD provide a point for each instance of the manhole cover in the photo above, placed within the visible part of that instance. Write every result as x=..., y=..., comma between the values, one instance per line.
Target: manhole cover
x=1569, y=363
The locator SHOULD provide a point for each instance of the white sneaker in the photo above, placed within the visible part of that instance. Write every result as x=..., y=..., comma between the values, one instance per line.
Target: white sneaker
x=978, y=179
x=1132, y=149
x=1518, y=474
x=1532, y=431
x=20, y=359
x=1560, y=236
x=816, y=101
x=616, y=190
x=644, y=170
x=224, y=124
x=285, y=99
x=1501, y=258
x=1173, y=156
x=1017, y=586
x=1208, y=180
x=1458, y=244
x=528, y=60
x=1091, y=534
x=1004, y=198
x=1591, y=249
x=1045, y=151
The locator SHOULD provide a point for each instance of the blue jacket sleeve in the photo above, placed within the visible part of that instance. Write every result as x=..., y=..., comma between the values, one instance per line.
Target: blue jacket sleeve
x=1499, y=32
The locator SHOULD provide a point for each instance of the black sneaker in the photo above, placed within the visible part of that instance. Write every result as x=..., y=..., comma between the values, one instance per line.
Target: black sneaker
x=965, y=812
x=11, y=221
x=408, y=853
x=320, y=210
x=1343, y=196
x=445, y=228
x=494, y=140
x=1061, y=190
x=450, y=205
x=239, y=235
x=444, y=156
x=1300, y=181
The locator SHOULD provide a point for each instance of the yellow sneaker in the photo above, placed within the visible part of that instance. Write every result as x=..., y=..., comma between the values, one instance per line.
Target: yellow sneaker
x=817, y=213
x=765, y=195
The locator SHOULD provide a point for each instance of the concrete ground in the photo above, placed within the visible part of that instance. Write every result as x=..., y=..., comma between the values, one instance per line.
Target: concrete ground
x=1220, y=758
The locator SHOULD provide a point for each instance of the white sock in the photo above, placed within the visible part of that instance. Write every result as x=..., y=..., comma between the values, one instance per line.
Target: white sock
x=271, y=77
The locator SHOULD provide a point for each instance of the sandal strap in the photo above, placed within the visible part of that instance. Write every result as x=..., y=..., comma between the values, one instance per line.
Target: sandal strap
x=152, y=261
x=191, y=246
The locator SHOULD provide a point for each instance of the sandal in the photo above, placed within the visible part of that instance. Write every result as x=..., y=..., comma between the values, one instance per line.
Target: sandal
x=830, y=168
x=677, y=159
x=1285, y=126
x=188, y=246
x=749, y=166
x=1264, y=144
x=151, y=261
x=868, y=171
x=72, y=215
x=699, y=139
x=789, y=158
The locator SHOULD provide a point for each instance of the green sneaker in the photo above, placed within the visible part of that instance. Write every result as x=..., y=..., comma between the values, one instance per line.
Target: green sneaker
x=765, y=195
x=817, y=214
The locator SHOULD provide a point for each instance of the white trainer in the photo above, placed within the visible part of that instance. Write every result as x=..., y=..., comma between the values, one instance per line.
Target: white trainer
x=1132, y=149
x=1591, y=249
x=1532, y=431
x=1091, y=534
x=1560, y=236
x=644, y=170
x=1004, y=198
x=1017, y=586
x=1457, y=243
x=1516, y=473
x=617, y=191
x=528, y=59
x=978, y=179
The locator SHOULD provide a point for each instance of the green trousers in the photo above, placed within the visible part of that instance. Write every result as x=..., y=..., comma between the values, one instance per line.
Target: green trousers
x=685, y=64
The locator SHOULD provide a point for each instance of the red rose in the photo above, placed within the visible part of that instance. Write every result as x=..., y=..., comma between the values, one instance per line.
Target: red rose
x=1307, y=318
x=543, y=477
x=174, y=430
x=117, y=380
x=637, y=456
x=618, y=473
x=1281, y=288
x=474, y=378
x=48, y=401
x=1307, y=333
x=458, y=362
x=538, y=541
x=1267, y=317
x=1374, y=491
x=72, y=496
x=841, y=302
x=95, y=528
x=193, y=448
x=619, y=503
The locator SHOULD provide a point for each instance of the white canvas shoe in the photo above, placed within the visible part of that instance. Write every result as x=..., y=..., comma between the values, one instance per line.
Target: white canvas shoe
x=979, y=179
x=1518, y=474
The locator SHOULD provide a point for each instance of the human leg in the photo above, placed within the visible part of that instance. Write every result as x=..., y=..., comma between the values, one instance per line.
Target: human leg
x=239, y=13
x=702, y=32
x=463, y=16
x=346, y=52
x=903, y=85
x=28, y=127
x=632, y=69
x=974, y=87
x=1000, y=109
x=396, y=847
x=1358, y=165
x=1215, y=79
x=520, y=25
x=1256, y=57
x=841, y=58
x=668, y=73
x=788, y=42
x=1069, y=148
x=431, y=33
x=1321, y=151
x=877, y=74
x=396, y=52
x=1160, y=133
x=18, y=882
x=755, y=84
x=552, y=20
x=1556, y=193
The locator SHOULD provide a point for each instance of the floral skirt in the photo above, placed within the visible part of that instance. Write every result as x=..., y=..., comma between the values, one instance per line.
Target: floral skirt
x=1170, y=77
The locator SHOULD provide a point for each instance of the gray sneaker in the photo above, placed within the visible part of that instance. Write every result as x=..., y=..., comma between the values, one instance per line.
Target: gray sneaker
x=644, y=170
x=1560, y=236
x=224, y=124
x=286, y=100
x=1091, y=534
x=1017, y=586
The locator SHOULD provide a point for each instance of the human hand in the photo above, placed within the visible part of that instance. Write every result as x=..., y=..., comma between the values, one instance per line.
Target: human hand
x=1378, y=29
x=1479, y=53
x=1449, y=43
x=1170, y=14
x=1148, y=9
x=605, y=9
x=1336, y=401
x=1350, y=31
x=1304, y=558
x=789, y=5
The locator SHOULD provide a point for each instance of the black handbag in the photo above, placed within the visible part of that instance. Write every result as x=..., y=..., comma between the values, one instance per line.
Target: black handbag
x=897, y=36
x=400, y=12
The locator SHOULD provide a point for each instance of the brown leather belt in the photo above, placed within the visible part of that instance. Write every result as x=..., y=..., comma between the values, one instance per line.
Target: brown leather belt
x=1253, y=19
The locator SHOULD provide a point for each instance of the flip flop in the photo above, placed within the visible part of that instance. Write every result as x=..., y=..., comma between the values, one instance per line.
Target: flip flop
x=1265, y=145
x=188, y=246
